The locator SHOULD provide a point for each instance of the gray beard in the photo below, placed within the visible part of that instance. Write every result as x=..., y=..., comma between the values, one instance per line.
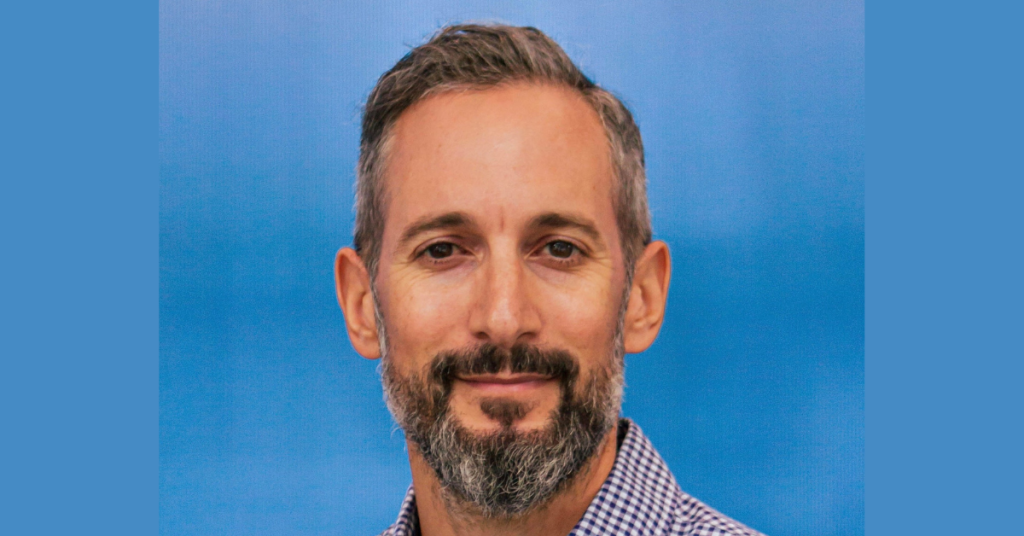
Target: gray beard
x=506, y=473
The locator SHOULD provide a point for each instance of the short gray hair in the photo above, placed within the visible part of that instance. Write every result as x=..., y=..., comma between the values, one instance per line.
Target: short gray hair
x=483, y=56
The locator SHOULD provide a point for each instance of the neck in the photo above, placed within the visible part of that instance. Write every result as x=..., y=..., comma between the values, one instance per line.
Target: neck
x=558, y=516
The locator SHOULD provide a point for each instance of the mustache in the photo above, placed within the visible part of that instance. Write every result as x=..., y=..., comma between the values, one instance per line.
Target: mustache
x=490, y=359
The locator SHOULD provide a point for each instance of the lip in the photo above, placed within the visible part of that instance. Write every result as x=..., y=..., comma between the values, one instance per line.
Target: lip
x=506, y=382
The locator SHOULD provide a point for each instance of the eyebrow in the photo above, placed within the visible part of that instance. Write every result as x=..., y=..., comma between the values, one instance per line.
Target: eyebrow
x=431, y=223
x=554, y=220
x=548, y=220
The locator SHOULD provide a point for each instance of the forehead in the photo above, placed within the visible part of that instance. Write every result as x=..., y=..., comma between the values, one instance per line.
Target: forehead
x=510, y=151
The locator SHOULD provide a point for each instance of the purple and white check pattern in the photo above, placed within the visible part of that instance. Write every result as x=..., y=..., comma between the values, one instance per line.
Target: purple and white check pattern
x=640, y=497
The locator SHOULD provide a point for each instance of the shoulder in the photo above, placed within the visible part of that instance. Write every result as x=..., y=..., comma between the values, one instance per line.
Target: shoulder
x=690, y=517
x=407, y=523
x=403, y=527
x=641, y=496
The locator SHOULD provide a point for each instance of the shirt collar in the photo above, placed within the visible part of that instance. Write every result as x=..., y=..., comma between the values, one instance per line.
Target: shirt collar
x=636, y=497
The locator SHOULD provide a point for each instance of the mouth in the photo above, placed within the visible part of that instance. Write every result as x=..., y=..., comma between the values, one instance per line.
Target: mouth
x=506, y=382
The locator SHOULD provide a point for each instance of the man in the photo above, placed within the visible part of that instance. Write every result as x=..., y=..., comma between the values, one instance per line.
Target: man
x=503, y=266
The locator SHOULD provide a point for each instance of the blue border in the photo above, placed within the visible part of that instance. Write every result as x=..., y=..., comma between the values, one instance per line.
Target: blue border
x=943, y=291
x=78, y=206
x=78, y=392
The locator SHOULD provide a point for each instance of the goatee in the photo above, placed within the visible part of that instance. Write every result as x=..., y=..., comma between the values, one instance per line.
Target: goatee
x=508, y=472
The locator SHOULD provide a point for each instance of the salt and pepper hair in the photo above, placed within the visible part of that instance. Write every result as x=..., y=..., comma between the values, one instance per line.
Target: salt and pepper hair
x=474, y=56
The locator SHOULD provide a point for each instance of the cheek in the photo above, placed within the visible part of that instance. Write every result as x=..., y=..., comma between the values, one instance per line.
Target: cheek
x=584, y=315
x=422, y=318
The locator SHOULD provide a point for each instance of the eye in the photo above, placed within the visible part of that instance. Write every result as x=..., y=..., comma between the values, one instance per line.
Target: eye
x=440, y=250
x=561, y=249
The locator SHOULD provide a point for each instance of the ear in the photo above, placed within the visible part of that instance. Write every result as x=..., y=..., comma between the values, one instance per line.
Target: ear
x=646, y=310
x=352, y=282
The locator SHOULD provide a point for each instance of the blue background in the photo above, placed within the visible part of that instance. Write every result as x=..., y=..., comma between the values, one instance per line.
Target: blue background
x=753, y=120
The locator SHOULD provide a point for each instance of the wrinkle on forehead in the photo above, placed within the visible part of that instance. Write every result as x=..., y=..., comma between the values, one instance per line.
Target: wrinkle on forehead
x=517, y=137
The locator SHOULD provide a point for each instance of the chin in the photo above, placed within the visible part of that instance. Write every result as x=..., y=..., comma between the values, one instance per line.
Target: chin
x=524, y=427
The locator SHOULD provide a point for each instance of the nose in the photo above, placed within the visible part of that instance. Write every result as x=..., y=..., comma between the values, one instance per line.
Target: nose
x=505, y=313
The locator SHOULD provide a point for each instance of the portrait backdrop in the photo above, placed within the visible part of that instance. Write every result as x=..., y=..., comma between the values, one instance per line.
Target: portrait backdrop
x=752, y=116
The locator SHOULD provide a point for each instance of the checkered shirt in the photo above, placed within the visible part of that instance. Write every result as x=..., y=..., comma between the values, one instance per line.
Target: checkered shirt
x=640, y=497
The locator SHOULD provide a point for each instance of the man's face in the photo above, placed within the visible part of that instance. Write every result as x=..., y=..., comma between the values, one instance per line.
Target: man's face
x=501, y=233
